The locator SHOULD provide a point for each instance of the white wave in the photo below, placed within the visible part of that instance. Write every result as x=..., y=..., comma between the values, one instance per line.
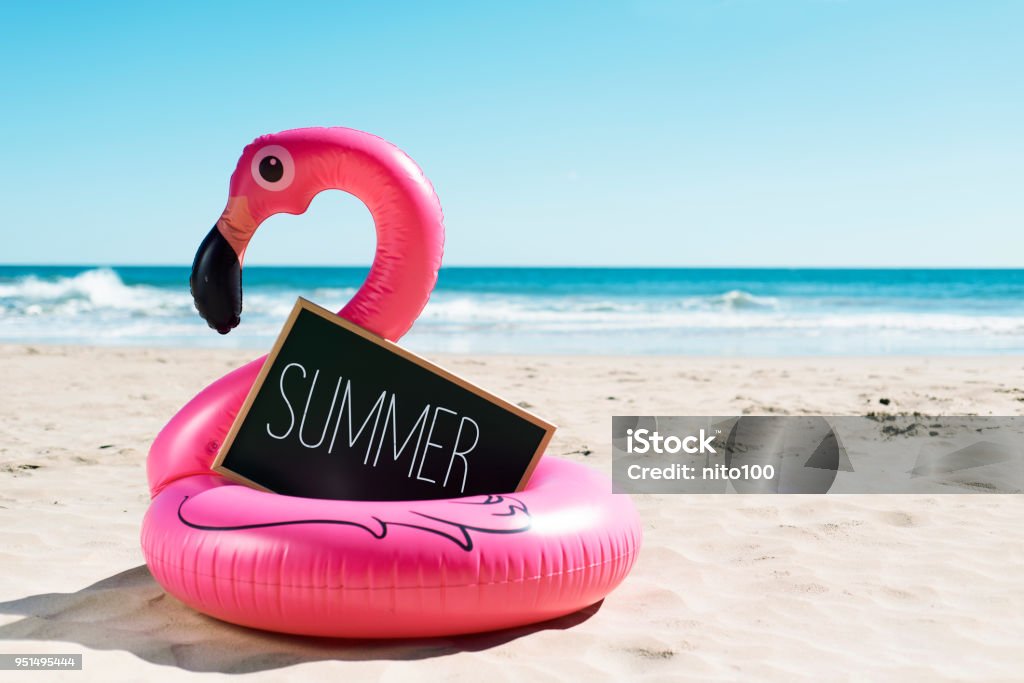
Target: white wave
x=102, y=291
x=101, y=283
x=93, y=290
x=97, y=306
x=566, y=314
x=737, y=299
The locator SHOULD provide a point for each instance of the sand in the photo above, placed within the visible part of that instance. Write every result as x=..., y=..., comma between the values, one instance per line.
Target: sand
x=887, y=588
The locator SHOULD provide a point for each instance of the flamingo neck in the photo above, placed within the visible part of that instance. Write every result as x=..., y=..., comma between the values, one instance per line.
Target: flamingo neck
x=409, y=223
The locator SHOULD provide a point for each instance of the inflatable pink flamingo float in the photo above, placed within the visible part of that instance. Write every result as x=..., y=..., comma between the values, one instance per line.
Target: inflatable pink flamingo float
x=361, y=568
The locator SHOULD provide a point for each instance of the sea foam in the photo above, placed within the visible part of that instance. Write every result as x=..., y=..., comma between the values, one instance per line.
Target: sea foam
x=483, y=310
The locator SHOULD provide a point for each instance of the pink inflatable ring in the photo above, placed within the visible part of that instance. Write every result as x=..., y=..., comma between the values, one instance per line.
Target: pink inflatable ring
x=348, y=568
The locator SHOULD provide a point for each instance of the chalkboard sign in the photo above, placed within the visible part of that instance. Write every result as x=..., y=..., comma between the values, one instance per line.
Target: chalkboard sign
x=338, y=412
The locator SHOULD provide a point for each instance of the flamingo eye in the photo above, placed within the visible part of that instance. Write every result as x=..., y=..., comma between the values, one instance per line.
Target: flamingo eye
x=273, y=168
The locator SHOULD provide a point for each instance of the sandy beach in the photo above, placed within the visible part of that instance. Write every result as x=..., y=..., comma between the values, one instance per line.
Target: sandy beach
x=883, y=588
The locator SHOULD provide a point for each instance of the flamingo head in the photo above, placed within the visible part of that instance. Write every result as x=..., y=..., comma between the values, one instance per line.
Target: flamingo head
x=281, y=173
x=278, y=173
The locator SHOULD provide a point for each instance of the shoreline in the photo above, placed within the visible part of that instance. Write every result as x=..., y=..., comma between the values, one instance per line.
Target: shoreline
x=779, y=312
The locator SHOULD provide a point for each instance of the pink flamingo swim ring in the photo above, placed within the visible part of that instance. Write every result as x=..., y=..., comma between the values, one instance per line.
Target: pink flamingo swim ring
x=362, y=568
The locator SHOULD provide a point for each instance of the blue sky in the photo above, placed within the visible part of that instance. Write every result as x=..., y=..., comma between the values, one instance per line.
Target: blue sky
x=788, y=133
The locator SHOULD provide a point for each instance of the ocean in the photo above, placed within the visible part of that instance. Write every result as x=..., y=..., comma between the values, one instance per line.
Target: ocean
x=764, y=312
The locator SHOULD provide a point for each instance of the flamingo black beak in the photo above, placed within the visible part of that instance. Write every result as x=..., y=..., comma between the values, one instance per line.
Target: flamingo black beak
x=216, y=282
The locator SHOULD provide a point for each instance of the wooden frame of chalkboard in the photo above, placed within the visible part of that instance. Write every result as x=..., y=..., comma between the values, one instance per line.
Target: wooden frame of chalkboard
x=304, y=305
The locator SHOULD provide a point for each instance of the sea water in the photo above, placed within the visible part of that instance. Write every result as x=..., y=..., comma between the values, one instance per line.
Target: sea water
x=553, y=310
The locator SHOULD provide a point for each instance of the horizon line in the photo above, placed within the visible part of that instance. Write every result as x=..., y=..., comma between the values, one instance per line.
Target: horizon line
x=535, y=267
